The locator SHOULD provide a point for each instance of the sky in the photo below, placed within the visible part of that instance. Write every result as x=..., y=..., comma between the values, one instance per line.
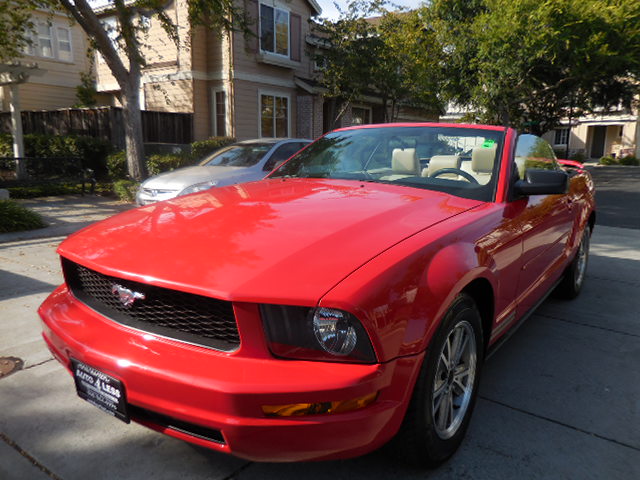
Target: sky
x=328, y=8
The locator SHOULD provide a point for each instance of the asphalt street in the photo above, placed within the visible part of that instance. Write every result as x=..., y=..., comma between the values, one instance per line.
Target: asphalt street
x=560, y=400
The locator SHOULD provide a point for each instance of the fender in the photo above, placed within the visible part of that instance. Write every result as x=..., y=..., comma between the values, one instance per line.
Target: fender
x=401, y=297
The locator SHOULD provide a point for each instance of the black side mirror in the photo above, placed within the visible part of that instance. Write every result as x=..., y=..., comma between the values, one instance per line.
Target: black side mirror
x=538, y=181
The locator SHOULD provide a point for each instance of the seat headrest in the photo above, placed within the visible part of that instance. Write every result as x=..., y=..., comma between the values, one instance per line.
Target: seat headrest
x=405, y=161
x=482, y=159
x=438, y=162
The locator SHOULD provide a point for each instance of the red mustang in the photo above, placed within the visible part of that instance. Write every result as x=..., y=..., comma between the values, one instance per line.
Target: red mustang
x=347, y=299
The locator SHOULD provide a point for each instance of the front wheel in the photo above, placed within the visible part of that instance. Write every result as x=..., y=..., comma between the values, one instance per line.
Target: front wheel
x=446, y=389
x=573, y=277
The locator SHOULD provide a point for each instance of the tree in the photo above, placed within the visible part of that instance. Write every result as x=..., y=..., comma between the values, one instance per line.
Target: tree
x=129, y=31
x=15, y=18
x=528, y=64
x=122, y=45
x=370, y=50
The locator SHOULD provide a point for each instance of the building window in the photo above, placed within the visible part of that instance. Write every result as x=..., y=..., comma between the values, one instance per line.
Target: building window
x=562, y=136
x=63, y=35
x=44, y=40
x=220, y=113
x=274, y=116
x=274, y=30
x=360, y=115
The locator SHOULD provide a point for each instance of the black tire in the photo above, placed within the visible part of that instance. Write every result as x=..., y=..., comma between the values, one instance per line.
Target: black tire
x=422, y=440
x=574, y=275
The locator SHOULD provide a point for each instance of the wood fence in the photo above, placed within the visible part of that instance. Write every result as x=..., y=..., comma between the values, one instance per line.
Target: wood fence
x=104, y=122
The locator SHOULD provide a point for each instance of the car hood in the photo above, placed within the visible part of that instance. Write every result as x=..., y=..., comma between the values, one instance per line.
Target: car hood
x=182, y=178
x=279, y=241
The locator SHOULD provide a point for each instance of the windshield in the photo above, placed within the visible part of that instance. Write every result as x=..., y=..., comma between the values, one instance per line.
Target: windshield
x=238, y=155
x=461, y=161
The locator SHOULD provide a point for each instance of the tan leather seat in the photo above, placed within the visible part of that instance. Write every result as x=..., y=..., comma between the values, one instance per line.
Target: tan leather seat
x=404, y=162
x=438, y=162
x=482, y=160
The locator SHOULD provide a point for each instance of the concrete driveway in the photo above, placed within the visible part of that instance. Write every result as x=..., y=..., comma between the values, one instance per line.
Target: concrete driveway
x=561, y=399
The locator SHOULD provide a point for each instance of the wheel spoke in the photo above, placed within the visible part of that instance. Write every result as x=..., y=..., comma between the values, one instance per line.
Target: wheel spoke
x=443, y=411
x=438, y=396
x=456, y=344
x=463, y=346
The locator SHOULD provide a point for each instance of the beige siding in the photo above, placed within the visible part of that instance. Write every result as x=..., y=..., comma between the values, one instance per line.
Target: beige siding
x=248, y=63
x=201, y=110
x=170, y=96
x=45, y=97
x=56, y=88
x=161, y=53
x=247, y=107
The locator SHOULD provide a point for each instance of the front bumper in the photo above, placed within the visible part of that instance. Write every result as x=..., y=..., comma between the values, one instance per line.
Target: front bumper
x=225, y=392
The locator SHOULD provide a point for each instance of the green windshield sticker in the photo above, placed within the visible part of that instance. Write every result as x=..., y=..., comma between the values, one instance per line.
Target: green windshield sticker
x=488, y=143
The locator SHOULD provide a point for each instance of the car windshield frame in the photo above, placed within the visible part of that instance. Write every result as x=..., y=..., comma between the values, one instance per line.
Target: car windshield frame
x=238, y=155
x=369, y=152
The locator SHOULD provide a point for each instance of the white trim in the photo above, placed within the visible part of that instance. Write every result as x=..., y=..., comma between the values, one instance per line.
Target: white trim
x=275, y=6
x=214, y=111
x=69, y=32
x=274, y=93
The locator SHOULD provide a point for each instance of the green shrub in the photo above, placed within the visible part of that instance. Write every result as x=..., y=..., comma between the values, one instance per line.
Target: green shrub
x=117, y=165
x=629, y=160
x=165, y=163
x=204, y=147
x=126, y=190
x=16, y=218
x=608, y=161
x=92, y=150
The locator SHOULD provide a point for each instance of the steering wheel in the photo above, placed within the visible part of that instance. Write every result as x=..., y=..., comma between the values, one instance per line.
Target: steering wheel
x=466, y=175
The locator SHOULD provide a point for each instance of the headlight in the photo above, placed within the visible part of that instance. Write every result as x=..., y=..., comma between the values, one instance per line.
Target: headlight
x=316, y=334
x=334, y=331
x=198, y=187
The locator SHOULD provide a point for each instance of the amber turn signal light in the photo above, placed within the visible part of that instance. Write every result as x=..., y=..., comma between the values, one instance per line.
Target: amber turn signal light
x=300, y=409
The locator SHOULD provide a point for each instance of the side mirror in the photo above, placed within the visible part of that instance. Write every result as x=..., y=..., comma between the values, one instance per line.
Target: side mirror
x=538, y=181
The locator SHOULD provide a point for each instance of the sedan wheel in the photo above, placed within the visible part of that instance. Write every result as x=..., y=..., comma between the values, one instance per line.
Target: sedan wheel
x=575, y=273
x=446, y=389
x=454, y=380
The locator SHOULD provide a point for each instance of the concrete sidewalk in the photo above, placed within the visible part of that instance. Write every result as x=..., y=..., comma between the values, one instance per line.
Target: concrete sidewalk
x=66, y=214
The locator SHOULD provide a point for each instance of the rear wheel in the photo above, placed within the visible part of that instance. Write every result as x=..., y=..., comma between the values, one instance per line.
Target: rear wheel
x=574, y=275
x=446, y=389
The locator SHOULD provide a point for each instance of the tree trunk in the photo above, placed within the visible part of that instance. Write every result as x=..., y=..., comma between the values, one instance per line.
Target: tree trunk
x=133, y=130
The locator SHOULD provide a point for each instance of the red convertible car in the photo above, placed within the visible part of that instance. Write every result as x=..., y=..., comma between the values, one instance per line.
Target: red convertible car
x=348, y=299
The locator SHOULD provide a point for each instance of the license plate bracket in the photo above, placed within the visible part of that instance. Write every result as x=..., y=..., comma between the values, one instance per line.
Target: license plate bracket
x=101, y=390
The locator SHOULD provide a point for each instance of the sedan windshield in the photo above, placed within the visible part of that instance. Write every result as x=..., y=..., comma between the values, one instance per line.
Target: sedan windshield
x=462, y=161
x=238, y=155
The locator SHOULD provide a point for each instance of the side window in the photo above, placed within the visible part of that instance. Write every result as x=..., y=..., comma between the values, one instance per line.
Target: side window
x=534, y=152
x=282, y=153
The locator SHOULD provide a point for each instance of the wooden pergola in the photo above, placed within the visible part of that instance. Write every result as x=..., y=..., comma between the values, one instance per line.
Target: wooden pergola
x=11, y=75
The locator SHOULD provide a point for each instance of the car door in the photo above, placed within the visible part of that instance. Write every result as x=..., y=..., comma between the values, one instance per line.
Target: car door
x=545, y=223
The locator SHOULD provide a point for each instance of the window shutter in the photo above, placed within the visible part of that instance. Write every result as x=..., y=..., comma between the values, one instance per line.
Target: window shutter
x=253, y=40
x=295, y=31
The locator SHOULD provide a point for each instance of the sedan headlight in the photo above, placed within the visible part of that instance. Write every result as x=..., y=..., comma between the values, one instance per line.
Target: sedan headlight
x=316, y=334
x=198, y=187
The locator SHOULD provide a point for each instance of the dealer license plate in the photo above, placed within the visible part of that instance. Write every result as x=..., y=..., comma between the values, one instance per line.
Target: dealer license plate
x=99, y=389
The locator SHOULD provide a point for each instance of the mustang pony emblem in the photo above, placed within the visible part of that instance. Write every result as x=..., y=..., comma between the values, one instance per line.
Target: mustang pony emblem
x=126, y=296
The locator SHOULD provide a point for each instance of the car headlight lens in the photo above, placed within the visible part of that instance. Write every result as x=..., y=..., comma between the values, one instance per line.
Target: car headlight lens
x=334, y=331
x=316, y=334
x=198, y=187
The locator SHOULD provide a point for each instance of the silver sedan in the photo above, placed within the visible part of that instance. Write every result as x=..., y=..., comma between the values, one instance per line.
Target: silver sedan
x=241, y=162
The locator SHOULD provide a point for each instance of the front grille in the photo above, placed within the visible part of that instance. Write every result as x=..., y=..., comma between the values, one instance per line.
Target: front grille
x=184, y=316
